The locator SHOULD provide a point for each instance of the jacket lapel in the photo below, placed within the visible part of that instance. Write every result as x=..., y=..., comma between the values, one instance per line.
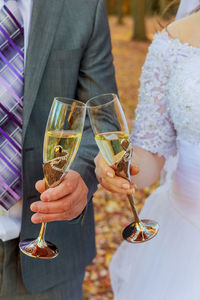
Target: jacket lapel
x=45, y=17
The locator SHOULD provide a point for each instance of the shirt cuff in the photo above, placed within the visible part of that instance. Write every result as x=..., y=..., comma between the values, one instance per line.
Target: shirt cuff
x=79, y=218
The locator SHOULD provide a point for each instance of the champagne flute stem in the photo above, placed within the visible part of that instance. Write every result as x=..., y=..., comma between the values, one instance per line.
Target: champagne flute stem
x=134, y=210
x=41, y=237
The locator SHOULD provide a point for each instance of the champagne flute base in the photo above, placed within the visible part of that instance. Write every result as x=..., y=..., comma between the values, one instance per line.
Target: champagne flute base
x=140, y=232
x=38, y=249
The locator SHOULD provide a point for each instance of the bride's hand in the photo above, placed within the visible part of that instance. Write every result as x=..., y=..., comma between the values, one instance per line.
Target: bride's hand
x=109, y=180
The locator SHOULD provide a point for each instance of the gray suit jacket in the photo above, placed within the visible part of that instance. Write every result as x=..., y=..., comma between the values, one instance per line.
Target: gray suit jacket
x=69, y=55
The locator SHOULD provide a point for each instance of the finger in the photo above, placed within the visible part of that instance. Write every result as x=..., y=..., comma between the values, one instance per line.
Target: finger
x=66, y=187
x=43, y=218
x=134, y=170
x=102, y=168
x=67, y=204
x=117, y=185
x=40, y=186
x=99, y=179
x=40, y=217
x=49, y=207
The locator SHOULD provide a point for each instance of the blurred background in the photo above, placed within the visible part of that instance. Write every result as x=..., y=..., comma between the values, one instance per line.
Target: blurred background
x=133, y=24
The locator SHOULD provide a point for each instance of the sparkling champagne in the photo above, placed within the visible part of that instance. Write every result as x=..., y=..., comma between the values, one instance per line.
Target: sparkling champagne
x=111, y=145
x=60, y=148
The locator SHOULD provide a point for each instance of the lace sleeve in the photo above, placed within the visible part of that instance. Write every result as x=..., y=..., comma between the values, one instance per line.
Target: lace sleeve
x=153, y=129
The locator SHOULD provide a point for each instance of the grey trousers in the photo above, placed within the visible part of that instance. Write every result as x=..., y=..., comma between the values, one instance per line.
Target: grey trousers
x=12, y=286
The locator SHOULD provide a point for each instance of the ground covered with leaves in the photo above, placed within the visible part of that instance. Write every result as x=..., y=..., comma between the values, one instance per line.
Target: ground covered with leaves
x=112, y=212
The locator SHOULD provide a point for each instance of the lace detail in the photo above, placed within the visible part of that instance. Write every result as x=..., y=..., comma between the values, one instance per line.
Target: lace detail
x=168, y=108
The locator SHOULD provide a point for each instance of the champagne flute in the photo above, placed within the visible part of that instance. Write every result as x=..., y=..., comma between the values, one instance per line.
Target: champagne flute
x=113, y=139
x=62, y=138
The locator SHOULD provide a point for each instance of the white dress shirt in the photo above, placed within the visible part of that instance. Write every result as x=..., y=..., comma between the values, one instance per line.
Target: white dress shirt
x=10, y=221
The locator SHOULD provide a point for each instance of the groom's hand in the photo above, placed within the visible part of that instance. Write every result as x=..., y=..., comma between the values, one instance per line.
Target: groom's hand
x=63, y=202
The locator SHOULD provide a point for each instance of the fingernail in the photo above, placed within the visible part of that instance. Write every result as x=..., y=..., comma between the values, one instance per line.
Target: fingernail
x=33, y=207
x=109, y=174
x=36, y=219
x=133, y=185
x=126, y=186
x=130, y=192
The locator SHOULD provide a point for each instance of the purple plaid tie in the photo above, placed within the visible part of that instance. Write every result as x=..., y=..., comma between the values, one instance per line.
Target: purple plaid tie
x=11, y=102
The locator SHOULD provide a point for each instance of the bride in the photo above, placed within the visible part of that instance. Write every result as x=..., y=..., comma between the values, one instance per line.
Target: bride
x=166, y=135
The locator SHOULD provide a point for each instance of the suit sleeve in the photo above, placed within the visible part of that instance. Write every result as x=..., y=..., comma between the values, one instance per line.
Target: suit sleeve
x=96, y=76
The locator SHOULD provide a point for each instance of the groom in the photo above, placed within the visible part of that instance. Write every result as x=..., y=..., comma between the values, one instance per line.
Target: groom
x=68, y=54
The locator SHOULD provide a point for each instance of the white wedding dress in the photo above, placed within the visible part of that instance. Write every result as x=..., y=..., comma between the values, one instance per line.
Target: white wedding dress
x=168, y=123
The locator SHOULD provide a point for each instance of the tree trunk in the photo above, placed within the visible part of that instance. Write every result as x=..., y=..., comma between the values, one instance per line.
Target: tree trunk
x=138, y=11
x=120, y=11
